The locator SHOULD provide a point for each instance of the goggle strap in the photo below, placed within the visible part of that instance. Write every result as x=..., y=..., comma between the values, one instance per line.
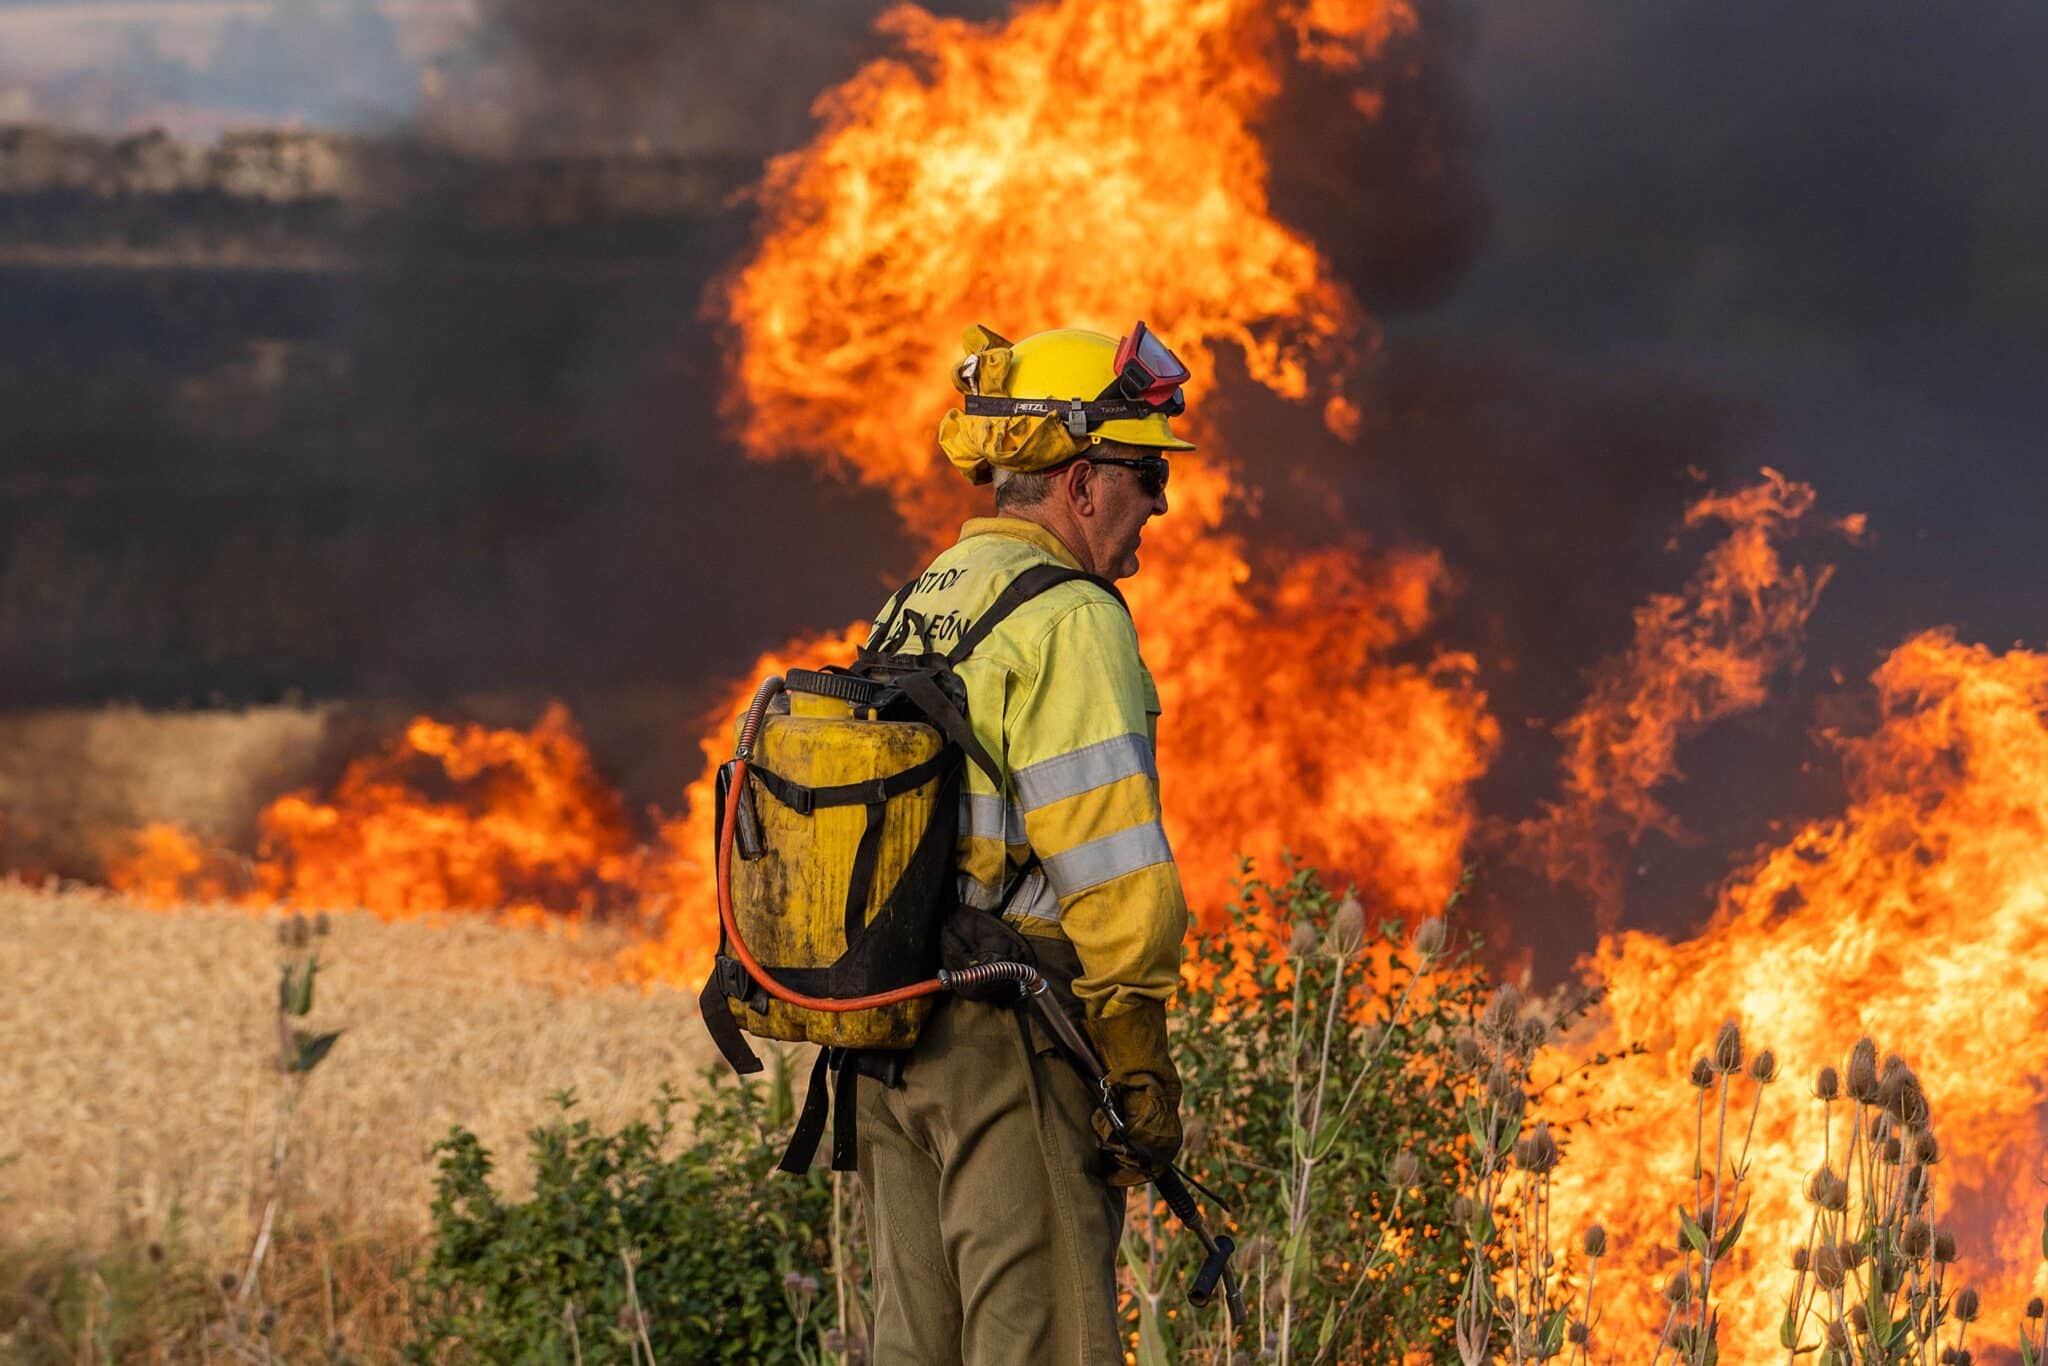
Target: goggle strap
x=1092, y=412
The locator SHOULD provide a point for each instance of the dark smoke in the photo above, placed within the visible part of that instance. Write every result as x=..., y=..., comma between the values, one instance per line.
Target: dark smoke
x=1620, y=254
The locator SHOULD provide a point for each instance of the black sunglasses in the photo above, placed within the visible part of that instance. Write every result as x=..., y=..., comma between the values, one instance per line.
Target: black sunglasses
x=1152, y=471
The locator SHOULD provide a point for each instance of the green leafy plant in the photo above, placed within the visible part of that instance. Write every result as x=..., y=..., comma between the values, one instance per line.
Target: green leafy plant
x=1317, y=1055
x=635, y=1244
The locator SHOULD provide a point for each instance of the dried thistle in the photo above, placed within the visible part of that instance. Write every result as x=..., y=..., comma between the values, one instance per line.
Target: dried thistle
x=1763, y=1068
x=1678, y=1290
x=1728, y=1048
x=1827, y=1084
x=1302, y=942
x=2035, y=1309
x=1859, y=1317
x=1827, y=1266
x=1967, y=1304
x=1468, y=1051
x=1801, y=1259
x=1863, y=1070
x=1347, y=927
x=1595, y=1241
x=1829, y=1191
x=1944, y=1247
x=1430, y=937
x=1502, y=1012
x=1702, y=1074
x=1537, y=1154
x=1917, y=1239
x=1407, y=1169
x=1926, y=1149
x=1838, y=1335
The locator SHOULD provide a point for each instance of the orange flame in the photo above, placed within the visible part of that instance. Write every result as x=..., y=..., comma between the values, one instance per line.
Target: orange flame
x=1081, y=164
x=1698, y=656
x=444, y=818
x=1919, y=916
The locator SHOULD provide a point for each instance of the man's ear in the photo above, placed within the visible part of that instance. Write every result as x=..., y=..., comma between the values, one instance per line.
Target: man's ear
x=1081, y=486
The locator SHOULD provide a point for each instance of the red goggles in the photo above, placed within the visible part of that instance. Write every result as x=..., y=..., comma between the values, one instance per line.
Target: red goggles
x=1147, y=371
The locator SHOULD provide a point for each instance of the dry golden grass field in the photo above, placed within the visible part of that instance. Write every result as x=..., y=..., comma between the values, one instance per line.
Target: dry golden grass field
x=138, y=1049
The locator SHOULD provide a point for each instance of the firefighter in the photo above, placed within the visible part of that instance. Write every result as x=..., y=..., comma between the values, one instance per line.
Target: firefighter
x=994, y=1208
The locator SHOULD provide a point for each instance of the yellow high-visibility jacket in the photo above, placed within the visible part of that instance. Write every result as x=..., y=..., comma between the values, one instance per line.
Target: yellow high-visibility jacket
x=1060, y=698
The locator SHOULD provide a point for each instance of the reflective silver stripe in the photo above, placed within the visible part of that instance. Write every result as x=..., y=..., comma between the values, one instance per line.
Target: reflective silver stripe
x=978, y=894
x=1097, y=861
x=991, y=818
x=1084, y=770
x=1034, y=899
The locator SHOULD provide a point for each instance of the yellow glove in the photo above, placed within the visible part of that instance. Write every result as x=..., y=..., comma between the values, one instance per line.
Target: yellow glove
x=1132, y=1046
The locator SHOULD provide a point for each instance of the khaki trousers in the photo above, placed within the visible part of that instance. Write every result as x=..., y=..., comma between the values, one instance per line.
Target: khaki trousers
x=993, y=1232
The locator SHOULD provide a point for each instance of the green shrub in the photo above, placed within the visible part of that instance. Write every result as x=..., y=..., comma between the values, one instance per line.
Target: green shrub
x=627, y=1249
x=1324, y=1103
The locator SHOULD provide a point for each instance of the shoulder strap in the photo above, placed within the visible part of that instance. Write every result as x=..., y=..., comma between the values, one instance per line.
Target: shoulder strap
x=1038, y=579
x=878, y=636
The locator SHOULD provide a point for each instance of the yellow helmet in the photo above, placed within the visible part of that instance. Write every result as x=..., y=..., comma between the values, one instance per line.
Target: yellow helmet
x=1070, y=363
x=1067, y=367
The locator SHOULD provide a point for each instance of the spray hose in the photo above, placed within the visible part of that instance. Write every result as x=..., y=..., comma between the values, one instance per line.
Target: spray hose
x=1170, y=1181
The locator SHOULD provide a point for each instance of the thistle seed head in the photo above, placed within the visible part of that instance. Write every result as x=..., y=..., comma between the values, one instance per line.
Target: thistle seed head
x=1967, y=1304
x=1763, y=1068
x=1926, y=1149
x=1468, y=1051
x=1702, y=1074
x=1891, y=1152
x=1944, y=1247
x=1828, y=1190
x=1534, y=1034
x=1852, y=1255
x=1407, y=1169
x=1890, y=1277
x=1503, y=1012
x=1863, y=1070
x=1577, y=1333
x=1430, y=937
x=1302, y=942
x=1801, y=1259
x=1502, y=1088
x=2035, y=1309
x=1900, y=1093
x=1827, y=1084
x=1347, y=927
x=1917, y=1239
x=1595, y=1241
x=1838, y=1335
x=1194, y=1137
x=1859, y=1317
x=1537, y=1154
x=1728, y=1048
x=1678, y=1290
x=1827, y=1266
